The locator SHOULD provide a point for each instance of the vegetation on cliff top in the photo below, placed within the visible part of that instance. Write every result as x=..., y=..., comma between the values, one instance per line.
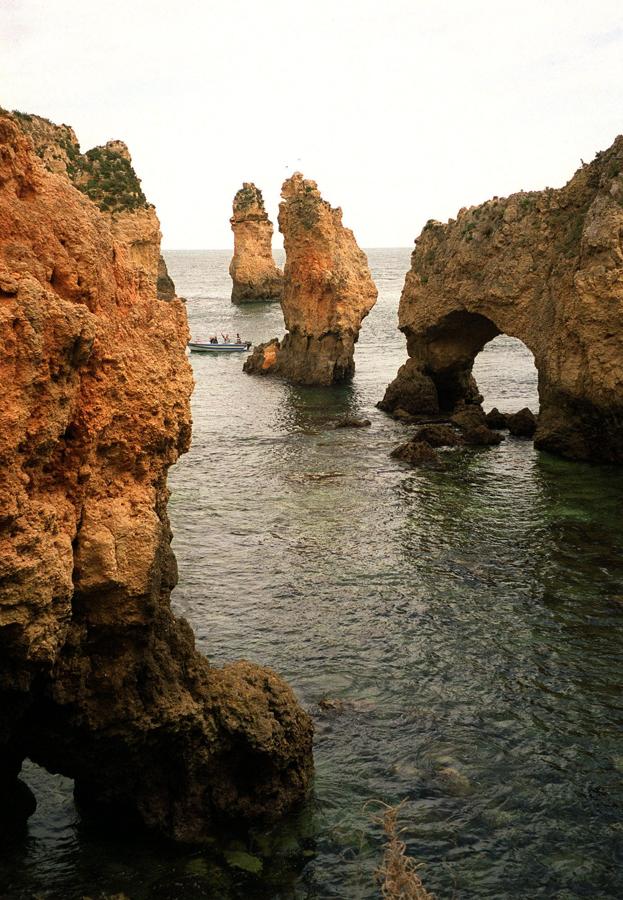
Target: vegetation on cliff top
x=108, y=179
x=248, y=196
x=103, y=174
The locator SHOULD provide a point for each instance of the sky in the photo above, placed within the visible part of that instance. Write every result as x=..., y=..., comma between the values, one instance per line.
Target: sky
x=401, y=110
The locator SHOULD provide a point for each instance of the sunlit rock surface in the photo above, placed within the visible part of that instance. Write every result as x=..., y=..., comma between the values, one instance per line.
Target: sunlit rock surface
x=98, y=680
x=328, y=291
x=253, y=271
x=545, y=267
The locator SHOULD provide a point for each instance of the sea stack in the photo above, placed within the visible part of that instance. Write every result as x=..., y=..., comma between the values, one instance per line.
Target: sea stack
x=328, y=291
x=545, y=267
x=253, y=271
x=99, y=680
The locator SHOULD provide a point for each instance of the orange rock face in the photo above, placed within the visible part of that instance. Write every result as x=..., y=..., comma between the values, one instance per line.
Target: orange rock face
x=542, y=266
x=328, y=291
x=253, y=271
x=97, y=678
x=105, y=174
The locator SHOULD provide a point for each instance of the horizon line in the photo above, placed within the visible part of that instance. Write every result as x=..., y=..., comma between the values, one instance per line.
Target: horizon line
x=230, y=249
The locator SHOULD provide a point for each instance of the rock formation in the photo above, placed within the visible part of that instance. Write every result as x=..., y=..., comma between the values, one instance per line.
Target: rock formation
x=495, y=419
x=328, y=291
x=165, y=288
x=522, y=423
x=98, y=680
x=253, y=271
x=105, y=174
x=545, y=267
x=416, y=453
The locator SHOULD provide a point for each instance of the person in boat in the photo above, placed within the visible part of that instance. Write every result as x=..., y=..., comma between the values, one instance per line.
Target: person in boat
x=225, y=338
x=213, y=339
x=238, y=338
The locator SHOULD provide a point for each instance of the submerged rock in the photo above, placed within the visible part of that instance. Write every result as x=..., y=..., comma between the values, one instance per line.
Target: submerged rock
x=401, y=415
x=473, y=424
x=522, y=423
x=253, y=271
x=545, y=267
x=328, y=291
x=98, y=680
x=439, y=435
x=332, y=705
x=454, y=782
x=416, y=453
x=352, y=422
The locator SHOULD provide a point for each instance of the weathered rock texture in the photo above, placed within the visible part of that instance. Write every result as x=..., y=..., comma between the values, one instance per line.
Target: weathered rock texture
x=105, y=174
x=164, y=285
x=253, y=271
x=98, y=680
x=328, y=291
x=545, y=267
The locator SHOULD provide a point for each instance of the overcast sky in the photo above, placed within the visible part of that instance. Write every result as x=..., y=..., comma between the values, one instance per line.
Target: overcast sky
x=401, y=110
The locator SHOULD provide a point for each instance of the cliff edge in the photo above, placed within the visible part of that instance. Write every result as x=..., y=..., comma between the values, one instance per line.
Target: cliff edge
x=98, y=680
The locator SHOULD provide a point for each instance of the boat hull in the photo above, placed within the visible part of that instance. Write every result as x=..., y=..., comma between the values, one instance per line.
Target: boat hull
x=218, y=348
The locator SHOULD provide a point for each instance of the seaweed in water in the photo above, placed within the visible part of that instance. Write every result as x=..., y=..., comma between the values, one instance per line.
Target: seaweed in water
x=397, y=873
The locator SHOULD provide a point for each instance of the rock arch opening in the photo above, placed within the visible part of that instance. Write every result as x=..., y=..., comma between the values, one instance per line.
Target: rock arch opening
x=506, y=375
x=545, y=267
x=465, y=359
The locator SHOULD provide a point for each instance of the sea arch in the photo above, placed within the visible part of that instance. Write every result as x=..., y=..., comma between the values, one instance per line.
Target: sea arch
x=545, y=267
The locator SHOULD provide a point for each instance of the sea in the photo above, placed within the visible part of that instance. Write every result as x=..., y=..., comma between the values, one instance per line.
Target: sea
x=456, y=634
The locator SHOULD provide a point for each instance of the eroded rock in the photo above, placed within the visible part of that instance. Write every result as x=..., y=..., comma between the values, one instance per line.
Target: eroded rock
x=470, y=418
x=496, y=420
x=98, y=680
x=522, y=423
x=545, y=267
x=328, y=291
x=165, y=287
x=253, y=271
x=417, y=453
x=106, y=176
x=439, y=435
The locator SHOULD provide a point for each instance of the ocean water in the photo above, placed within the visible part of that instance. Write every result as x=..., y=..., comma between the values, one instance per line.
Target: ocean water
x=465, y=623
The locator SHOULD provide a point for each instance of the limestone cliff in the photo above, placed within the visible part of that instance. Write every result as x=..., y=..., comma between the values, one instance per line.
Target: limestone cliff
x=98, y=680
x=253, y=271
x=545, y=267
x=328, y=291
x=106, y=175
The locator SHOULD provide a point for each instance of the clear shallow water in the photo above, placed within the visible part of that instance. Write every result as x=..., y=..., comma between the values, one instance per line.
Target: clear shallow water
x=469, y=619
